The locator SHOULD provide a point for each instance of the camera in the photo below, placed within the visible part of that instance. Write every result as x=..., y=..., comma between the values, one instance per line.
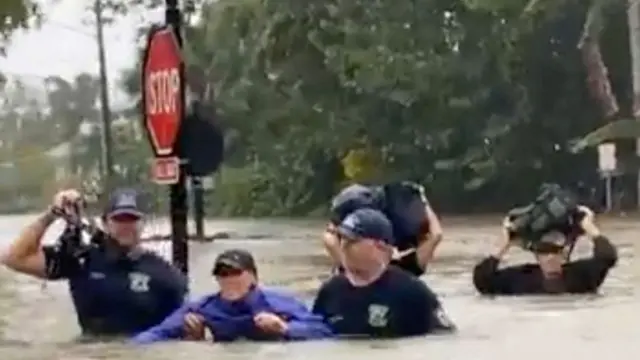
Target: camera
x=70, y=240
x=554, y=209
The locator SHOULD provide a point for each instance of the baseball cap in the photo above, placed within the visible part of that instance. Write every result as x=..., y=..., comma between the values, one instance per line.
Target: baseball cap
x=236, y=259
x=123, y=202
x=367, y=223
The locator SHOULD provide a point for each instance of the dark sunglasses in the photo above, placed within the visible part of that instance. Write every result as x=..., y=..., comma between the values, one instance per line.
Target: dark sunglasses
x=226, y=271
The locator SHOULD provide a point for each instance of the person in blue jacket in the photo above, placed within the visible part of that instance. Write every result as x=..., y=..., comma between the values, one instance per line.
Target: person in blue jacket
x=240, y=310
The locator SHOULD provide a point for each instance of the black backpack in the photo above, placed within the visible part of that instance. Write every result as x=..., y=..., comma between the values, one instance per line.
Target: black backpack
x=405, y=203
x=553, y=209
x=352, y=198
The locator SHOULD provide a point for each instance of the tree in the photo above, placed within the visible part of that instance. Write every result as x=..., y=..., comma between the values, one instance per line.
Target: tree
x=74, y=105
x=474, y=98
x=15, y=14
x=73, y=102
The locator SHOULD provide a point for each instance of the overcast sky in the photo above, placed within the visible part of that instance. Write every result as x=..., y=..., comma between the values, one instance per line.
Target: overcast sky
x=65, y=46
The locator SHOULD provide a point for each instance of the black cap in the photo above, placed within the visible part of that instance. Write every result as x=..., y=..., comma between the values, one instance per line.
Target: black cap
x=236, y=259
x=550, y=242
x=123, y=201
x=367, y=223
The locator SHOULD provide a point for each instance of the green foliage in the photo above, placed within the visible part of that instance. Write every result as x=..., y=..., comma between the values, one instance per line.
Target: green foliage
x=22, y=180
x=361, y=165
x=474, y=98
x=53, y=140
x=15, y=14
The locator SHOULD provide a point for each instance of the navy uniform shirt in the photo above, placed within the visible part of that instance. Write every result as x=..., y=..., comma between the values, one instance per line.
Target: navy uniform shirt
x=396, y=305
x=118, y=297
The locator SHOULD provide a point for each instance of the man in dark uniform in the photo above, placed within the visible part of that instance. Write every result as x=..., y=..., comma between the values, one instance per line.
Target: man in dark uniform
x=416, y=226
x=370, y=298
x=551, y=274
x=117, y=288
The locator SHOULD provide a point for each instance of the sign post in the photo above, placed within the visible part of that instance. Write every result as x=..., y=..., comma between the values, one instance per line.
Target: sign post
x=166, y=170
x=607, y=165
x=163, y=97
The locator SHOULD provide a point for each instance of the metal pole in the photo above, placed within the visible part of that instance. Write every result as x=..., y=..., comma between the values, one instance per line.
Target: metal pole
x=608, y=195
x=198, y=206
x=178, y=192
x=106, y=139
x=633, y=18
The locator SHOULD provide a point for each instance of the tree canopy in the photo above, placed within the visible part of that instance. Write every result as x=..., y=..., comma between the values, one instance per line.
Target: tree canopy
x=15, y=14
x=475, y=98
x=479, y=100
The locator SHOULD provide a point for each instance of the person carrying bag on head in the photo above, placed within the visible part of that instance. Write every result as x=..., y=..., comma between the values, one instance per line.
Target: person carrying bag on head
x=548, y=228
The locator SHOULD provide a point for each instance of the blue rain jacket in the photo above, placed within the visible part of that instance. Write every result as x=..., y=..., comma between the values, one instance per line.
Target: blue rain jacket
x=228, y=321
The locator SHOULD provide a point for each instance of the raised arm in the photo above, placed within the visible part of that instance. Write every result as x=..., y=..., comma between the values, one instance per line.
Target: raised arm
x=26, y=254
x=593, y=271
x=487, y=278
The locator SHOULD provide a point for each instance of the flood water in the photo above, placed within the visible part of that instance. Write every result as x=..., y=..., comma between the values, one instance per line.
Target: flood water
x=37, y=321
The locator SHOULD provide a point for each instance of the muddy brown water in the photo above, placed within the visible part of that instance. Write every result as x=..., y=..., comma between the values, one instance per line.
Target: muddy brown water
x=37, y=321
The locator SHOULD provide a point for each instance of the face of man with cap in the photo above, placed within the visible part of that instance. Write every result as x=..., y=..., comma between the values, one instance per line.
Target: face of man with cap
x=123, y=218
x=366, y=237
x=236, y=274
x=549, y=254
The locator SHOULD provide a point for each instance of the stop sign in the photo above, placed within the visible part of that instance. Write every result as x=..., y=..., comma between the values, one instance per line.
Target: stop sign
x=162, y=90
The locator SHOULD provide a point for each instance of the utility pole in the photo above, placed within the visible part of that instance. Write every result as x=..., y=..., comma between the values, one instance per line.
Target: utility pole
x=178, y=192
x=197, y=190
x=105, y=110
x=633, y=15
x=199, y=90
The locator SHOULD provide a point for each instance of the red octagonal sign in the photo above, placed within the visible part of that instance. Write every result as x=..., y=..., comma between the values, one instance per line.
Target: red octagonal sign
x=162, y=95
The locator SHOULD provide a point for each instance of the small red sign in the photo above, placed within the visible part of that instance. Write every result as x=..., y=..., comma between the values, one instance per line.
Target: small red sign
x=165, y=170
x=163, y=96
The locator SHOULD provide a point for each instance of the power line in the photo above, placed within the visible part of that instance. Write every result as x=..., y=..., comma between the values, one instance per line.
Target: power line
x=25, y=75
x=73, y=29
x=77, y=30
